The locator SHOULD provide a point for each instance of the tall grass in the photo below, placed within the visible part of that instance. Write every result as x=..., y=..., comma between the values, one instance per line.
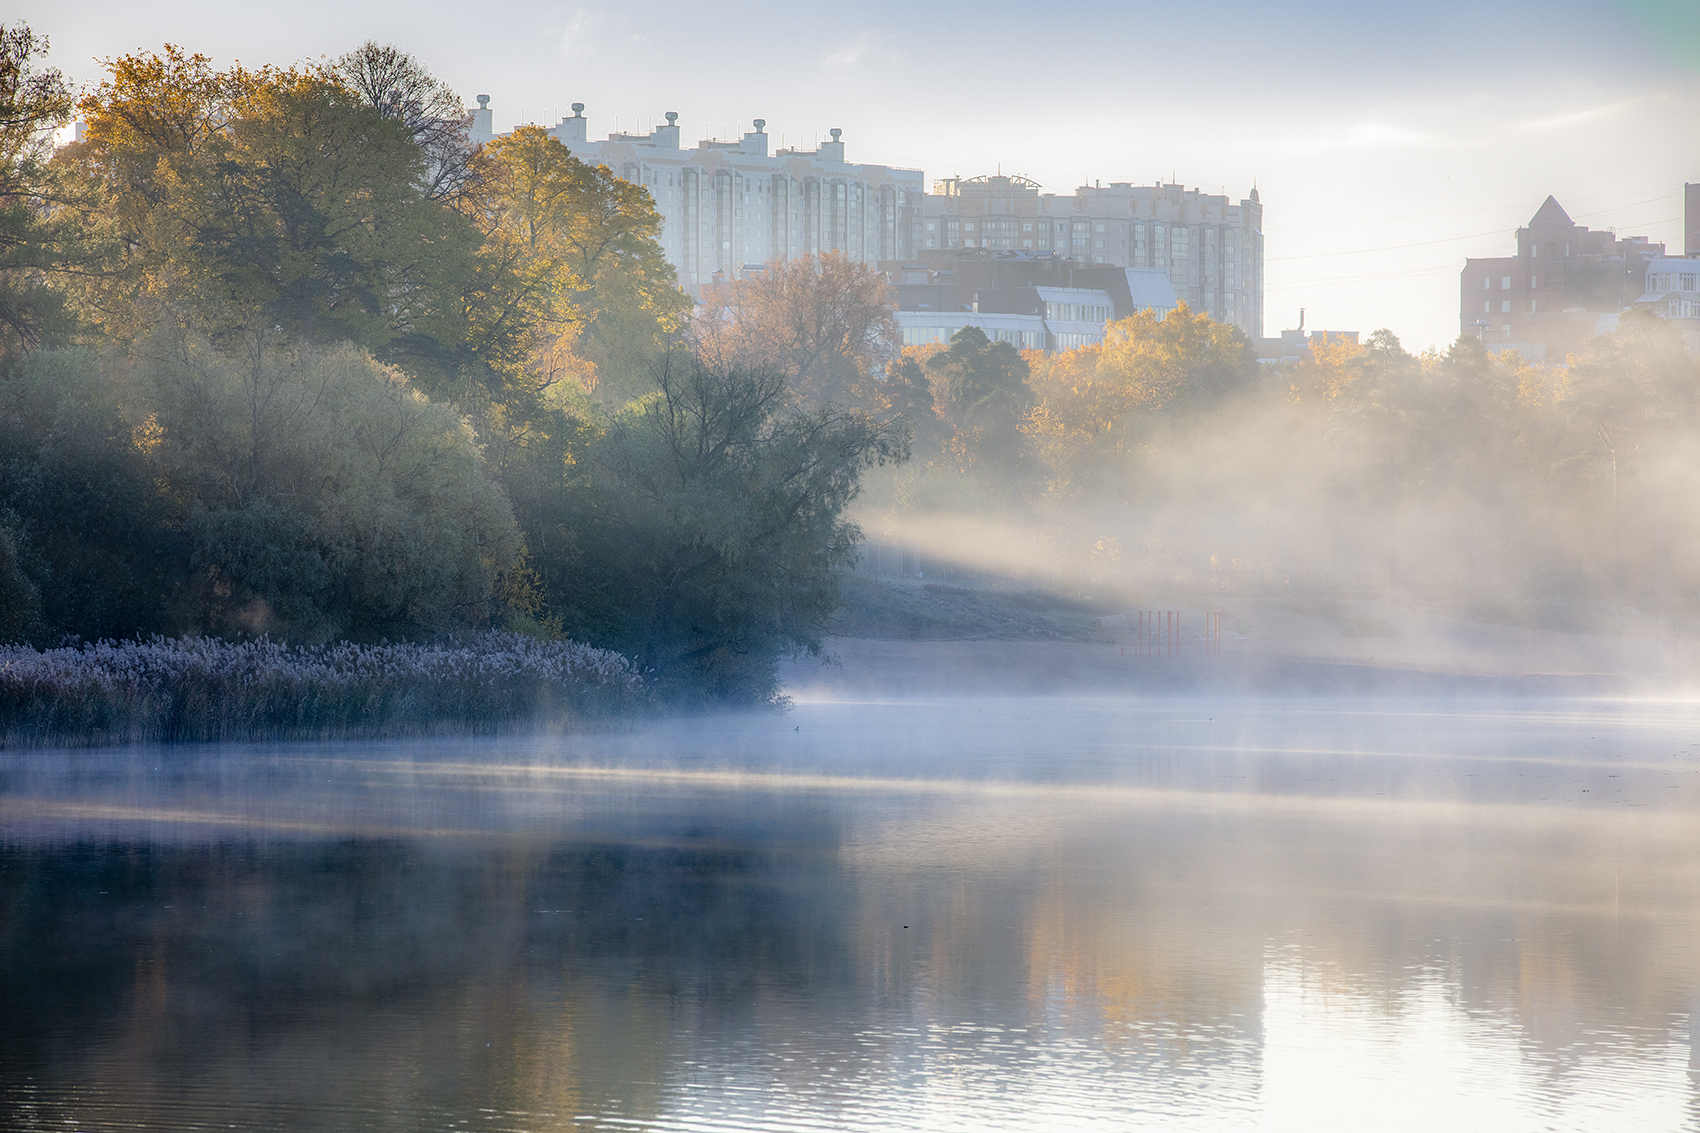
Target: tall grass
x=207, y=689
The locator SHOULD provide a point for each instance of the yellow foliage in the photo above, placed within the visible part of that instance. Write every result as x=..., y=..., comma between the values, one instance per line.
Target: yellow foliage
x=1326, y=370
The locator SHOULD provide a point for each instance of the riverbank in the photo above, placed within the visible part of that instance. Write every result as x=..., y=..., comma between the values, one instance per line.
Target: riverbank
x=929, y=640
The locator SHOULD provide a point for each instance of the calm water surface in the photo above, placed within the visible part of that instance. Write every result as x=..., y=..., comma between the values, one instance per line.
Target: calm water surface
x=1021, y=914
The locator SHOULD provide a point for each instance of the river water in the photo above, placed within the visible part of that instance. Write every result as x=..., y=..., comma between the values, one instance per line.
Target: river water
x=1304, y=914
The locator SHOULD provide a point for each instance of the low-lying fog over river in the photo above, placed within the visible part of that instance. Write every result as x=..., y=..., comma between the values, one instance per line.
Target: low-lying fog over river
x=1190, y=913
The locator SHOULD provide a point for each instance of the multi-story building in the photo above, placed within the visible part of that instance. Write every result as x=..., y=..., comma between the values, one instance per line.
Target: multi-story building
x=1673, y=292
x=1034, y=301
x=1691, y=218
x=1210, y=248
x=1564, y=285
x=728, y=207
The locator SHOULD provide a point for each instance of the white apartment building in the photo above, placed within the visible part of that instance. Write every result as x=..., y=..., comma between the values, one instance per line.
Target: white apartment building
x=730, y=207
x=1673, y=292
x=1211, y=248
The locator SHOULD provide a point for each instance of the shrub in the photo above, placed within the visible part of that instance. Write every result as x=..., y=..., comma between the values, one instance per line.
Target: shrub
x=207, y=689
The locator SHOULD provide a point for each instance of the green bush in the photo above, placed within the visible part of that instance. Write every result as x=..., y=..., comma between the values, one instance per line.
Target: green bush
x=326, y=498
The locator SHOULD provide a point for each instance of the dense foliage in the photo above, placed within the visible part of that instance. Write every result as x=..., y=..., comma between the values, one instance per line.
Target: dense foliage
x=714, y=526
x=1170, y=453
x=292, y=357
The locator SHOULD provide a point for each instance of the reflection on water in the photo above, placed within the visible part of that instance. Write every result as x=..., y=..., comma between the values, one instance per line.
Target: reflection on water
x=1027, y=914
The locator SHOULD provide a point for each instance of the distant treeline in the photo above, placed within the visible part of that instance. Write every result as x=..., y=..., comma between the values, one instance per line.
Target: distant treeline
x=1169, y=452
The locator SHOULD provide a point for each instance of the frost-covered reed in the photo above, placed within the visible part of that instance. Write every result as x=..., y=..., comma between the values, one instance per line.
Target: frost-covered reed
x=207, y=689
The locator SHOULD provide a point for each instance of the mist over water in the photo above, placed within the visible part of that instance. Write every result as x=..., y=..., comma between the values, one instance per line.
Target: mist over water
x=1213, y=911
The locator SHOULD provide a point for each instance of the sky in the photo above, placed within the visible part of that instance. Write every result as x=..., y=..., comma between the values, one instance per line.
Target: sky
x=1387, y=142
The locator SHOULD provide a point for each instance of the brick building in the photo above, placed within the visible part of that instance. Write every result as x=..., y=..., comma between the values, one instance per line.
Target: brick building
x=1565, y=284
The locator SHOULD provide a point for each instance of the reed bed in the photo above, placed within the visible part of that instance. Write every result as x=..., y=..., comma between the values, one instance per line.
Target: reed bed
x=204, y=689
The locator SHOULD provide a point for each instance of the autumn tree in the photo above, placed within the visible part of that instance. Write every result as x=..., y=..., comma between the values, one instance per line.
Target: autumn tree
x=39, y=234
x=1094, y=403
x=241, y=201
x=1078, y=424
x=825, y=321
x=1180, y=360
x=572, y=281
x=1326, y=369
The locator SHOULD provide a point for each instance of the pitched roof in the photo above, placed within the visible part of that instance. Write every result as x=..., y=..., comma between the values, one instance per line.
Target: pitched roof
x=1551, y=214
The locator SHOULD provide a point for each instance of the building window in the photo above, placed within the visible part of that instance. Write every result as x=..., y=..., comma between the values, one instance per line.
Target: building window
x=1534, y=282
x=1532, y=307
x=1487, y=284
x=1487, y=306
x=1505, y=307
x=1505, y=283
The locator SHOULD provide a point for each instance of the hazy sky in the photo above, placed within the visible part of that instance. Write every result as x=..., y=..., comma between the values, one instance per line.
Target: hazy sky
x=1387, y=144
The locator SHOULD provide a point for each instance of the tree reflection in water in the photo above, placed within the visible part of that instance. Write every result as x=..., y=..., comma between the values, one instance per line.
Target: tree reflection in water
x=1240, y=931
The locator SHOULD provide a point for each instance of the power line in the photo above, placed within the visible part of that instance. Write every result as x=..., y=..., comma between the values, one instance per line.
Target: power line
x=1455, y=239
x=1384, y=248
x=1455, y=212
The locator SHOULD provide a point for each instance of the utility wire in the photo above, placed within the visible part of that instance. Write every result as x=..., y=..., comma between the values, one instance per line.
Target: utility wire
x=1457, y=212
x=1455, y=239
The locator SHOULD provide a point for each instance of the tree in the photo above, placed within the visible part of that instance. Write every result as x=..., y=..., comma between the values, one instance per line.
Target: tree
x=826, y=322
x=92, y=533
x=1078, y=425
x=907, y=394
x=711, y=528
x=399, y=87
x=986, y=397
x=325, y=497
x=1634, y=394
x=20, y=599
x=242, y=201
x=1182, y=360
x=37, y=239
x=570, y=265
